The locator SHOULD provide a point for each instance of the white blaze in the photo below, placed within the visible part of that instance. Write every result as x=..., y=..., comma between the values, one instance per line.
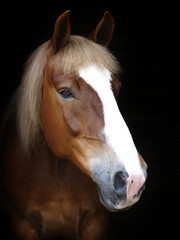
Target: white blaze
x=115, y=130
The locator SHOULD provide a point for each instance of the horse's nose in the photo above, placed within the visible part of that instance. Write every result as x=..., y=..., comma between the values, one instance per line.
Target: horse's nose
x=120, y=183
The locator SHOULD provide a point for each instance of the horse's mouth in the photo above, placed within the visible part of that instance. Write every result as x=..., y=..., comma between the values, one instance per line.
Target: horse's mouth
x=125, y=209
x=109, y=200
x=112, y=201
x=113, y=204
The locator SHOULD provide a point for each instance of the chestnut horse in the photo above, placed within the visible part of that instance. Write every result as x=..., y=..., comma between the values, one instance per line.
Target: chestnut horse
x=67, y=155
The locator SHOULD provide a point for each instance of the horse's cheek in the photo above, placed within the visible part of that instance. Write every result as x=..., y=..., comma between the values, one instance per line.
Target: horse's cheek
x=55, y=129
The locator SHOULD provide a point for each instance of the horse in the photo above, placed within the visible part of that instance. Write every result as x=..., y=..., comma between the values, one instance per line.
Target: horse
x=67, y=155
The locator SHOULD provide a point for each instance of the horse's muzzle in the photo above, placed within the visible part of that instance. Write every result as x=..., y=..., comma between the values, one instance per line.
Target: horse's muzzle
x=121, y=191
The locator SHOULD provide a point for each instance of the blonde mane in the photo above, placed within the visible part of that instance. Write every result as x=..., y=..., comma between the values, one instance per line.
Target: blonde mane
x=78, y=52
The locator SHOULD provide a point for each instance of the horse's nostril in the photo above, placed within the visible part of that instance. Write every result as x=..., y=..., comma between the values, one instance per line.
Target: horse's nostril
x=120, y=182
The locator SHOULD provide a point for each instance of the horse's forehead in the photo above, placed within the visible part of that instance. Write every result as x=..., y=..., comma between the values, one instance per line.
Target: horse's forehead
x=99, y=79
x=93, y=75
x=58, y=76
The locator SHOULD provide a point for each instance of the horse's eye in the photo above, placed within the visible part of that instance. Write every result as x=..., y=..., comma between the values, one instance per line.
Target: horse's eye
x=65, y=93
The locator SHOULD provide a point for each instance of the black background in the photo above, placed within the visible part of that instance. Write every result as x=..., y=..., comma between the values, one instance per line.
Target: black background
x=145, y=43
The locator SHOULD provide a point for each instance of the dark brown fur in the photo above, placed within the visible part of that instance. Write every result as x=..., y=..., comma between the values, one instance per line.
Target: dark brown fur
x=47, y=197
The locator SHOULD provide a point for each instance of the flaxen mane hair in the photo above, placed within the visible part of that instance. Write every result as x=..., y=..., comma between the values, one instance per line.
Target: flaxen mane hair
x=78, y=52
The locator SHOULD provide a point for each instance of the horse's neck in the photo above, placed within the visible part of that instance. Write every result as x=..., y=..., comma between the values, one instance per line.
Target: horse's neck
x=10, y=141
x=40, y=162
x=43, y=178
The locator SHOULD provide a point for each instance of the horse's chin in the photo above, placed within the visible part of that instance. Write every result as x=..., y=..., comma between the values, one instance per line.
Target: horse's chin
x=112, y=204
x=109, y=206
x=113, y=207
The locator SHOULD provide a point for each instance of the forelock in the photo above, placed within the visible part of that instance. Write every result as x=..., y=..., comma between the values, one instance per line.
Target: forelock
x=80, y=52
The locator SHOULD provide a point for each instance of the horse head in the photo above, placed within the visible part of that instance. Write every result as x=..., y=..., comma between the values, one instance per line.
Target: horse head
x=80, y=117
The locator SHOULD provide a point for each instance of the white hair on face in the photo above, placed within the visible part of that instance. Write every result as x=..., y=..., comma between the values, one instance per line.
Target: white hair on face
x=115, y=130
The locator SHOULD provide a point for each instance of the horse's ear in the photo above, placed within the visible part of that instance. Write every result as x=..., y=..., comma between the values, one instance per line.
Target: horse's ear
x=104, y=30
x=61, y=32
